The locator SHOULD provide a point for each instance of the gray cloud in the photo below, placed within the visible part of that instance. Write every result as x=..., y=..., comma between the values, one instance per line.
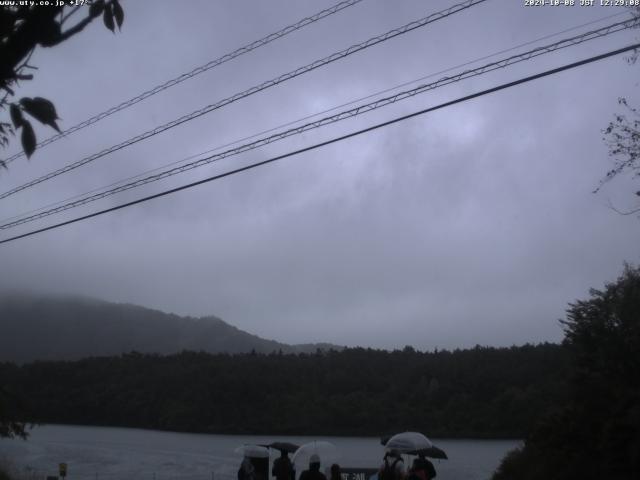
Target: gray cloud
x=474, y=224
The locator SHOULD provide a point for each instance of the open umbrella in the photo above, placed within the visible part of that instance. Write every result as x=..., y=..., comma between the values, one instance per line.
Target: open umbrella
x=406, y=442
x=327, y=452
x=413, y=443
x=433, y=452
x=253, y=451
x=284, y=446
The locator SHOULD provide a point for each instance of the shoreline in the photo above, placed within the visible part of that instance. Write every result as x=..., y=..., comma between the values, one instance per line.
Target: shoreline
x=269, y=435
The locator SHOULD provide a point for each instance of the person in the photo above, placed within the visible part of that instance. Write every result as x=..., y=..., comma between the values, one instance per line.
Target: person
x=283, y=468
x=422, y=469
x=336, y=474
x=314, y=472
x=392, y=467
x=246, y=470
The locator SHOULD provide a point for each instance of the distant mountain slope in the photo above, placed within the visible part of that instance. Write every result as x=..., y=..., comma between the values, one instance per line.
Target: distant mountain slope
x=67, y=328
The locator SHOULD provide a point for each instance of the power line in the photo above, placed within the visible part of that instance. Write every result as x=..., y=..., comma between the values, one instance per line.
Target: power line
x=196, y=71
x=270, y=83
x=335, y=118
x=307, y=117
x=331, y=141
x=316, y=114
x=503, y=63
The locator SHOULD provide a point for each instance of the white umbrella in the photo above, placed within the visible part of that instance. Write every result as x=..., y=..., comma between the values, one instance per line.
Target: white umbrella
x=408, y=442
x=327, y=452
x=253, y=451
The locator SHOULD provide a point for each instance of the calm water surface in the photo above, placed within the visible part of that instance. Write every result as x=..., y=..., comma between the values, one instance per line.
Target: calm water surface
x=100, y=453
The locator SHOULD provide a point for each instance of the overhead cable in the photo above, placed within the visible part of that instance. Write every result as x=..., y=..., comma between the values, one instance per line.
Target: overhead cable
x=270, y=83
x=331, y=141
x=196, y=71
x=310, y=116
x=499, y=64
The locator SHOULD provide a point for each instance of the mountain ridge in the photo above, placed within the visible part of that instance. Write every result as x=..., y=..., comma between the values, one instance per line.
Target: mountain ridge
x=65, y=327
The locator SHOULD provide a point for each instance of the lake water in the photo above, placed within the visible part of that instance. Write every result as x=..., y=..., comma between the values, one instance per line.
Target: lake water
x=100, y=453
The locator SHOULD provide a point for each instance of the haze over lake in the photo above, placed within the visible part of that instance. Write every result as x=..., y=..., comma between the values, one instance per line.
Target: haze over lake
x=115, y=453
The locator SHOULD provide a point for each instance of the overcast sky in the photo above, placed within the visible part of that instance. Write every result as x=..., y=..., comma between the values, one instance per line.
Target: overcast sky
x=471, y=225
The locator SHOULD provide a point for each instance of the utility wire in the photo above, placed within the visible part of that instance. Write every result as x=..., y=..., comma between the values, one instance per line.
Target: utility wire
x=196, y=71
x=503, y=63
x=331, y=141
x=270, y=83
x=307, y=117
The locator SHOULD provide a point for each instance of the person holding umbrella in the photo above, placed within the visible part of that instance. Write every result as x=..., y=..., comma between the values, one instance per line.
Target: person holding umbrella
x=246, y=470
x=255, y=464
x=392, y=467
x=310, y=454
x=314, y=472
x=422, y=469
x=283, y=468
x=415, y=443
x=336, y=473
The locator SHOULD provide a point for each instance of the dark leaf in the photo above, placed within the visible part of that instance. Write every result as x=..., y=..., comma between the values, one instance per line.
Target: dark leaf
x=16, y=115
x=41, y=109
x=3, y=164
x=49, y=32
x=96, y=8
x=107, y=18
x=118, y=13
x=28, y=139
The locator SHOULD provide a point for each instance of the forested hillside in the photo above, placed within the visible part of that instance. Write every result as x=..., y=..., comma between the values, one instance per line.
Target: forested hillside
x=481, y=392
x=70, y=328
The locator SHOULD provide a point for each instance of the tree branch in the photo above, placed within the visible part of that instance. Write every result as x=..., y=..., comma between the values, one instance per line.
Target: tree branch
x=68, y=15
x=77, y=28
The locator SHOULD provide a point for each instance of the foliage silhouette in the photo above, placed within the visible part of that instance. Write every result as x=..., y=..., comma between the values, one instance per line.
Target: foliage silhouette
x=622, y=136
x=596, y=434
x=23, y=28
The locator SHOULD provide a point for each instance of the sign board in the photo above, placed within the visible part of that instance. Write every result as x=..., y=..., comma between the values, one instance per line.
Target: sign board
x=62, y=469
x=358, y=473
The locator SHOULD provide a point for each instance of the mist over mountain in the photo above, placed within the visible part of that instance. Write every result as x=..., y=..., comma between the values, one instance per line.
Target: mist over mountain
x=38, y=327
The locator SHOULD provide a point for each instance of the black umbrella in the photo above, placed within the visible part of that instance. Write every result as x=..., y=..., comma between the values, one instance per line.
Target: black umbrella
x=432, y=452
x=284, y=446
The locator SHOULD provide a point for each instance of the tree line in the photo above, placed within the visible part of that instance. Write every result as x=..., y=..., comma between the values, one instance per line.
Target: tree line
x=481, y=392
